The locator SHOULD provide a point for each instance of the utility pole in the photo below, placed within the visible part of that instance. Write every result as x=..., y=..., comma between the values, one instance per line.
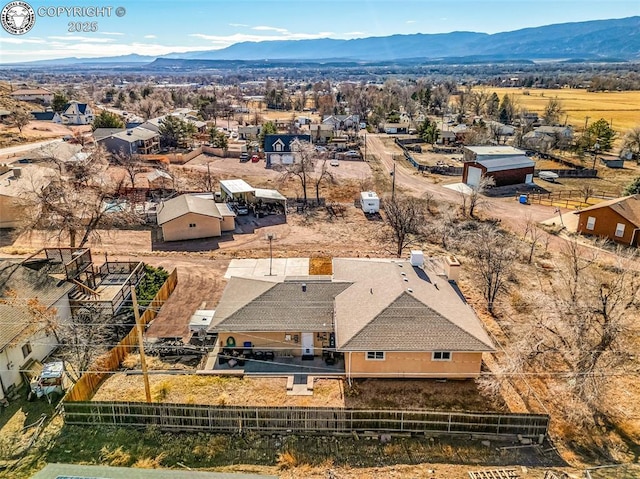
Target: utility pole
x=270, y=238
x=143, y=361
x=393, y=181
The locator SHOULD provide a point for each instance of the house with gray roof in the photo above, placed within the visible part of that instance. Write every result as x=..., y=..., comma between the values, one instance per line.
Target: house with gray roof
x=26, y=336
x=133, y=141
x=384, y=318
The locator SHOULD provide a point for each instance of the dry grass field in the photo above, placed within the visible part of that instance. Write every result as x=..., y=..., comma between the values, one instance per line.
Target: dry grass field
x=620, y=108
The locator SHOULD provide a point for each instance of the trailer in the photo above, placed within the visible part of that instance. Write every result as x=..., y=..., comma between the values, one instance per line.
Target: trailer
x=548, y=176
x=369, y=202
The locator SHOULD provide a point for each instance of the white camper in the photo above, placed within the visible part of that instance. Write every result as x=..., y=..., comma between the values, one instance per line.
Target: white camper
x=370, y=202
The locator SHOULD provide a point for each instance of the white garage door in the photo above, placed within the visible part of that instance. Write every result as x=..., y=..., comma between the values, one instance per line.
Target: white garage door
x=473, y=176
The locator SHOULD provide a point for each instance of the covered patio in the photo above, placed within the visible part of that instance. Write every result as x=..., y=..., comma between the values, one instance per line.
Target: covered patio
x=278, y=366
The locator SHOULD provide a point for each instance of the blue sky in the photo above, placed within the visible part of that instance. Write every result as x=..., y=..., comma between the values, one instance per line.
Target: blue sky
x=160, y=26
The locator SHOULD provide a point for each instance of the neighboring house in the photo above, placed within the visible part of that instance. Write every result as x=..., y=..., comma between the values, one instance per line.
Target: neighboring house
x=33, y=94
x=51, y=116
x=461, y=131
x=342, y=122
x=385, y=318
x=75, y=113
x=159, y=180
x=100, y=134
x=321, y=132
x=190, y=217
x=446, y=137
x=135, y=141
x=153, y=124
x=500, y=129
x=18, y=187
x=24, y=342
x=617, y=220
x=508, y=170
x=395, y=128
x=277, y=148
x=564, y=132
x=249, y=132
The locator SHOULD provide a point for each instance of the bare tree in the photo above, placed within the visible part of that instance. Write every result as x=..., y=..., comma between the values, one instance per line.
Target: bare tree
x=302, y=166
x=533, y=234
x=473, y=199
x=584, y=328
x=131, y=165
x=78, y=204
x=493, y=255
x=324, y=176
x=20, y=119
x=83, y=338
x=405, y=216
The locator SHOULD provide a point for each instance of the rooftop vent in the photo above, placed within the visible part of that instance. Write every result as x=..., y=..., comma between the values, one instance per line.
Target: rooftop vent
x=409, y=290
x=417, y=258
x=304, y=287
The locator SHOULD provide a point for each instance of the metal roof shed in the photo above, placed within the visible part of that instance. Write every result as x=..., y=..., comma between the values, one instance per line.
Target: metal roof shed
x=235, y=189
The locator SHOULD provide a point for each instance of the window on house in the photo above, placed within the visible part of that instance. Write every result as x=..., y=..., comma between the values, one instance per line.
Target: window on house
x=192, y=225
x=441, y=356
x=277, y=146
x=620, y=230
x=375, y=355
x=591, y=222
x=26, y=350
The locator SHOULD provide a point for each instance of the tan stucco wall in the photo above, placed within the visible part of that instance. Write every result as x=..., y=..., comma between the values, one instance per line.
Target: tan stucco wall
x=228, y=223
x=10, y=212
x=410, y=364
x=178, y=229
x=273, y=341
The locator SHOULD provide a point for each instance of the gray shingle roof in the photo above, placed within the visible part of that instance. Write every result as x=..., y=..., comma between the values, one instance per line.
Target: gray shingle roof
x=31, y=284
x=409, y=325
x=13, y=320
x=374, y=313
x=254, y=305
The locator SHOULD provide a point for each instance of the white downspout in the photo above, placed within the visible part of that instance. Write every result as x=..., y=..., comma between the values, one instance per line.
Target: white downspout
x=349, y=373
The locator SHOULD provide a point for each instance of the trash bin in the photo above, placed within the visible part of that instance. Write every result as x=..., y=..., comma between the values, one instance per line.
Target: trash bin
x=523, y=199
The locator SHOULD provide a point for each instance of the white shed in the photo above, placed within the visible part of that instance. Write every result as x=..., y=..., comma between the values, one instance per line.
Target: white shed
x=370, y=202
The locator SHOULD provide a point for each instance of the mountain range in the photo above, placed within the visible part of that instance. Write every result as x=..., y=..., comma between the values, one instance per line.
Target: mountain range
x=615, y=39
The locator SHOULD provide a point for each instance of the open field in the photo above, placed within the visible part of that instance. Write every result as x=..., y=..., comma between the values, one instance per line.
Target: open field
x=621, y=108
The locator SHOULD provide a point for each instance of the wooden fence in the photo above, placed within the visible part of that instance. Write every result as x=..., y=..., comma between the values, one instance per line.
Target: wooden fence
x=89, y=382
x=301, y=420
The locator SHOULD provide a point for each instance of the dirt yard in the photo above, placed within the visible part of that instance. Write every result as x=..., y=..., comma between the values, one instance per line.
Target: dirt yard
x=247, y=391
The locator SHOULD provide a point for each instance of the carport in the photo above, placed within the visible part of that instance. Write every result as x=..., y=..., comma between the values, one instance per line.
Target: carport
x=235, y=190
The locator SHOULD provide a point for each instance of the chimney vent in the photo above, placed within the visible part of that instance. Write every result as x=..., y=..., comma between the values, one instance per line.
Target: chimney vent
x=304, y=287
x=417, y=258
x=452, y=268
x=17, y=172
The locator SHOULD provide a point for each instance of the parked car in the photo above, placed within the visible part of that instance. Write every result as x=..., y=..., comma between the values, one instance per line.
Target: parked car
x=244, y=157
x=334, y=163
x=242, y=210
x=352, y=154
x=255, y=159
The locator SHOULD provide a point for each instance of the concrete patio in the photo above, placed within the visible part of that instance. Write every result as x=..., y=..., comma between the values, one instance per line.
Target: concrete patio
x=282, y=366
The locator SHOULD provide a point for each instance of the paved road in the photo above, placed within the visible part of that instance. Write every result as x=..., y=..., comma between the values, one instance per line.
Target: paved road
x=12, y=151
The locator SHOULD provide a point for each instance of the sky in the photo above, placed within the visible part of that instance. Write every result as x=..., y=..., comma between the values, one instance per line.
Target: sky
x=158, y=27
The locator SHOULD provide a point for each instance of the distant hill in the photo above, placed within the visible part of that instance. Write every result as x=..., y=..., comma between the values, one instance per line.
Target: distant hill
x=133, y=58
x=588, y=41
